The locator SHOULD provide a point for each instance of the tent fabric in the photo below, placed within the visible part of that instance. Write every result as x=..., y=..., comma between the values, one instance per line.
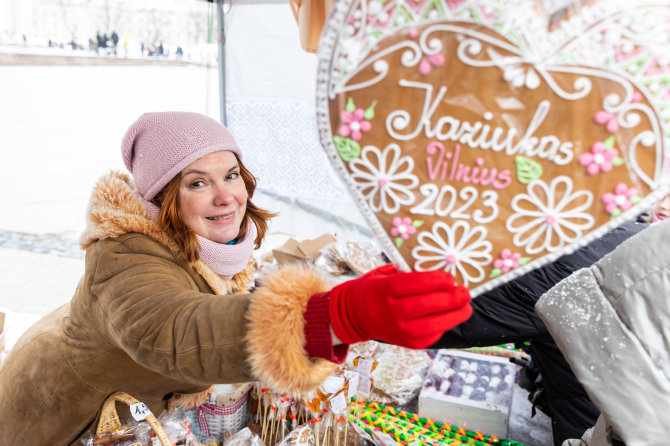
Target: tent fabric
x=282, y=149
x=270, y=109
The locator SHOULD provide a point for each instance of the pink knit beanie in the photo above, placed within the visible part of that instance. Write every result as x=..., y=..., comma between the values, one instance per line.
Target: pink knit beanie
x=160, y=145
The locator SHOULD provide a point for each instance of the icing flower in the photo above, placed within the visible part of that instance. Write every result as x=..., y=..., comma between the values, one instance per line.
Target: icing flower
x=430, y=61
x=384, y=178
x=376, y=12
x=550, y=216
x=454, y=3
x=518, y=77
x=403, y=228
x=602, y=158
x=508, y=261
x=457, y=249
x=609, y=119
x=621, y=200
x=356, y=120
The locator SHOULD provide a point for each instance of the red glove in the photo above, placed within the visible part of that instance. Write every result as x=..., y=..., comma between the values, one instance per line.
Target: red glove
x=409, y=309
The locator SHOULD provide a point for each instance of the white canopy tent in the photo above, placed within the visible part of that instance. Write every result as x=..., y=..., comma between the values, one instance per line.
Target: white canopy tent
x=267, y=86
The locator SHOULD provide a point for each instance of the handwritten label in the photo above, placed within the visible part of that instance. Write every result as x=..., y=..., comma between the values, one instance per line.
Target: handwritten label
x=364, y=366
x=338, y=403
x=364, y=385
x=139, y=411
x=352, y=388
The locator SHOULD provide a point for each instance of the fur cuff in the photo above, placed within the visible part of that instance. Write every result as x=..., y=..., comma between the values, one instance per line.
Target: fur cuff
x=276, y=332
x=186, y=401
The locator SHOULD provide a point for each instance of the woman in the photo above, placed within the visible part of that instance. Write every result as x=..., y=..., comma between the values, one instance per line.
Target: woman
x=661, y=210
x=162, y=311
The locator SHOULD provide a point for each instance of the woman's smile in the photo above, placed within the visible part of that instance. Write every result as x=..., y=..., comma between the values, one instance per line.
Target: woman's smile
x=221, y=217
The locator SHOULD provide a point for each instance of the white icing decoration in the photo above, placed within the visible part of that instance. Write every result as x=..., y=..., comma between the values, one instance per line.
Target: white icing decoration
x=338, y=54
x=582, y=85
x=384, y=179
x=436, y=203
x=564, y=220
x=411, y=56
x=628, y=115
x=469, y=249
x=469, y=133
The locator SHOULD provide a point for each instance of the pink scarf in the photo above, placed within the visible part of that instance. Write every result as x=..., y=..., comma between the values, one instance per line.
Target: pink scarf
x=224, y=260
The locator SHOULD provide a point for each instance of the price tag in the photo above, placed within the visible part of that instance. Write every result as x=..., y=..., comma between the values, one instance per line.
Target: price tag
x=353, y=385
x=333, y=383
x=338, y=403
x=364, y=385
x=365, y=366
x=139, y=411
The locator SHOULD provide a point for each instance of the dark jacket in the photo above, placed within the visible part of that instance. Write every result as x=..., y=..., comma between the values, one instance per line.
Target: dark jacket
x=506, y=314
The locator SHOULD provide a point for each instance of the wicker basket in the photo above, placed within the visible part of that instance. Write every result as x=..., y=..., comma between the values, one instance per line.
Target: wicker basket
x=215, y=417
x=110, y=421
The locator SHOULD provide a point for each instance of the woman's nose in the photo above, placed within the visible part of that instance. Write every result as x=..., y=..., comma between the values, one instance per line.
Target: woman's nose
x=222, y=195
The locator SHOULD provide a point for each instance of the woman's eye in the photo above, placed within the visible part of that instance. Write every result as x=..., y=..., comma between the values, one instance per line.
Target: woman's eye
x=232, y=175
x=197, y=184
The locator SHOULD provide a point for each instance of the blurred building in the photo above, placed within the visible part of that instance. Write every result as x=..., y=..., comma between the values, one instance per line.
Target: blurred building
x=171, y=22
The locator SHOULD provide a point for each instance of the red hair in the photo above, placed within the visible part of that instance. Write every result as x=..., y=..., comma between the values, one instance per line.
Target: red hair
x=171, y=222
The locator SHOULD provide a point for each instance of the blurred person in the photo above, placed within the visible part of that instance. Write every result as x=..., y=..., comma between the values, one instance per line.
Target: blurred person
x=549, y=377
x=506, y=314
x=163, y=310
x=661, y=210
x=611, y=322
x=115, y=41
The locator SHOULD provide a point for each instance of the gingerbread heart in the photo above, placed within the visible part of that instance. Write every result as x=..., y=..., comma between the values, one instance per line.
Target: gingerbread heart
x=479, y=141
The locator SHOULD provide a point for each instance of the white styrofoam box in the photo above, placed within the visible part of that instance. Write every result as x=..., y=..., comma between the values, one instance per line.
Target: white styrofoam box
x=470, y=390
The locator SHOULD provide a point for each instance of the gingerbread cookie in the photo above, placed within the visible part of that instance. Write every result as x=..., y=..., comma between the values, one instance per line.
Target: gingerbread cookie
x=477, y=141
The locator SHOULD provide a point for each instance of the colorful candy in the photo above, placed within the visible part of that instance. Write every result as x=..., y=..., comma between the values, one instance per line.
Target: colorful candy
x=408, y=428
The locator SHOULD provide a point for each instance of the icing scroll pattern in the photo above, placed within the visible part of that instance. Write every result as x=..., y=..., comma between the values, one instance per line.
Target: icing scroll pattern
x=490, y=151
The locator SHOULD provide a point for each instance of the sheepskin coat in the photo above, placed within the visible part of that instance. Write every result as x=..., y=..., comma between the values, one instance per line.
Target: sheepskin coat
x=612, y=323
x=145, y=322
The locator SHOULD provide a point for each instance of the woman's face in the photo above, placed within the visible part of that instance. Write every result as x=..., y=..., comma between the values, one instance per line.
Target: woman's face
x=662, y=208
x=212, y=196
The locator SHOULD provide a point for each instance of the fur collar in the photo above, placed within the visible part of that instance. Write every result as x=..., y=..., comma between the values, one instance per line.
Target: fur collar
x=114, y=210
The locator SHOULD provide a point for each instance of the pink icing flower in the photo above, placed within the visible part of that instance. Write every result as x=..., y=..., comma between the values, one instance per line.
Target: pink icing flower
x=454, y=3
x=402, y=227
x=508, y=260
x=428, y=62
x=609, y=119
x=621, y=200
x=599, y=159
x=354, y=124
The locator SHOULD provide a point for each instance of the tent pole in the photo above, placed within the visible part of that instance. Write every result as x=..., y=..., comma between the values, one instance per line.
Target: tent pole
x=222, y=59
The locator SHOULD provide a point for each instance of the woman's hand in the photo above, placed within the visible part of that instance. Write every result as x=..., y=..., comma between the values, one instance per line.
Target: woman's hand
x=409, y=309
